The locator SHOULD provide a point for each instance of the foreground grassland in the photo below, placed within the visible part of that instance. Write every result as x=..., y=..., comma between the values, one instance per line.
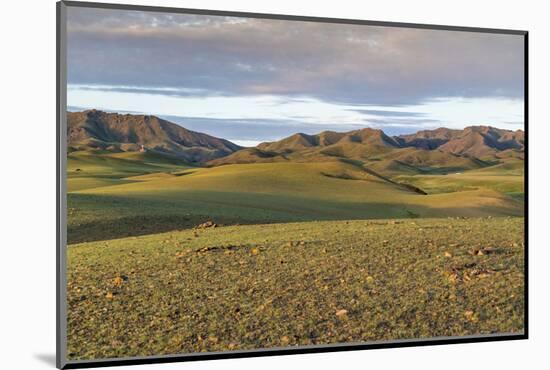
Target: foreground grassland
x=303, y=283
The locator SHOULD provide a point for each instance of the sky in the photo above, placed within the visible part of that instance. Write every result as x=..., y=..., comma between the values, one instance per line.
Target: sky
x=252, y=80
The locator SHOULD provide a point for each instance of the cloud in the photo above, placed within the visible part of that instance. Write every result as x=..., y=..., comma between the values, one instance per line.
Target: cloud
x=300, y=114
x=166, y=91
x=344, y=64
x=388, y=113
x=255, y=130
x=404, y=122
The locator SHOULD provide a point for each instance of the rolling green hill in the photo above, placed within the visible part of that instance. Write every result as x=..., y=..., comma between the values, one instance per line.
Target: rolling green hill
x=265, y=193
x=95, y=168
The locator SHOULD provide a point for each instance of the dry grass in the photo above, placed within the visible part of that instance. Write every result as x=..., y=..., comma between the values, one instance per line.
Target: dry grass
x=258, y=286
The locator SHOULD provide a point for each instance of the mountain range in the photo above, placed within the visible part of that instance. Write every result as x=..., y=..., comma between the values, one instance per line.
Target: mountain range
x=424, y=151
x=126, y=132
x=472, y=147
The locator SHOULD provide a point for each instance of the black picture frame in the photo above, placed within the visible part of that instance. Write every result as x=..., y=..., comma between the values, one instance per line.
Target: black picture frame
x=61, y=127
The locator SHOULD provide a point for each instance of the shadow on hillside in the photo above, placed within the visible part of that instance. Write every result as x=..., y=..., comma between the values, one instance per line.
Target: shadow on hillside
x=130, y=226
x=95, y=217
x=146, y=225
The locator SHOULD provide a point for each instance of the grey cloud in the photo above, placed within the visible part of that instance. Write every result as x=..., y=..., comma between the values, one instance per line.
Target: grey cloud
x=403, y=122
x=177, y=92
x=276, y=129
x=334, y=62
x=388, y=113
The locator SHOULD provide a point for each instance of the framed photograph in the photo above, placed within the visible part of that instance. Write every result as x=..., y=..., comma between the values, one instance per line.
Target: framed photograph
x=236, y=184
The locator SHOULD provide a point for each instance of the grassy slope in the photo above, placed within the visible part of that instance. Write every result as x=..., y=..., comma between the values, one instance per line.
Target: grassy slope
x=506, y=178
x=245, y=287
x=262, y=193
x=385, y=159
x=412, y=160
x=88, y=169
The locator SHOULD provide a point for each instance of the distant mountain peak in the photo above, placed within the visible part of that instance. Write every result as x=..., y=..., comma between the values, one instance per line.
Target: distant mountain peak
x=432, y=146
x=130, y=132
x=300, y=141
x=475, y=140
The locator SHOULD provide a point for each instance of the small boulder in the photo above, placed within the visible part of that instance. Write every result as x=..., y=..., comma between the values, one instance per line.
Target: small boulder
x=206, y=225
x=341, y=313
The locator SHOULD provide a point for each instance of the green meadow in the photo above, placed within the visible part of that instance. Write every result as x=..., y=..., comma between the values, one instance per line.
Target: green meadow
x=141, y=197
x=298, y=253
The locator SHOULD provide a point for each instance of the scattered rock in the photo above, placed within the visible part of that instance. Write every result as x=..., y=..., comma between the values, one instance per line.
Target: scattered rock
x=466, y=272
x=453, y=277
x=181, y=254
x=470, y=315
x=219, y=248
x=206, y=225
x=119, y=280
x=341, y=313
x=484, y=251
x=482, y=273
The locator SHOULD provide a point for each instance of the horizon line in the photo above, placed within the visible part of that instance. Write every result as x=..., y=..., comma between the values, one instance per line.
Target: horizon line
x=365, y=126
